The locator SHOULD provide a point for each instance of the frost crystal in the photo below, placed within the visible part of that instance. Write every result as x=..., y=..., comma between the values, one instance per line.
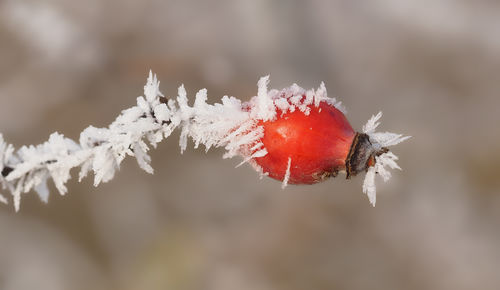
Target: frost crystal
x=230, y=124
x=388, y=159
x=287, y=174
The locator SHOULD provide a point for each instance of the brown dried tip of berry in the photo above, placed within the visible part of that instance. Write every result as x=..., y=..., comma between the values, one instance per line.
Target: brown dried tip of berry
x=362, y=155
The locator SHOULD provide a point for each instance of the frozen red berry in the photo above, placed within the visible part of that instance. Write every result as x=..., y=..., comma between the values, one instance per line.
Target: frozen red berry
x=310, y=148
x=308, y=139
x=317, y=144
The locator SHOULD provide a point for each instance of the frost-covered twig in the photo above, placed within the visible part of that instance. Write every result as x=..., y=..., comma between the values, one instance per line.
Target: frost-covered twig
x=230, y=124
x=103, y=149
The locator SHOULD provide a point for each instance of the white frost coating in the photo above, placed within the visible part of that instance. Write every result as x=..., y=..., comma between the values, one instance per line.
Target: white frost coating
x=287, y=174
x=266, y=104
x=369, y=185
x=100, y=149
x=230, y=124
x=321, y=95
x=372, y=124
x=379, y=140
x=263, y=107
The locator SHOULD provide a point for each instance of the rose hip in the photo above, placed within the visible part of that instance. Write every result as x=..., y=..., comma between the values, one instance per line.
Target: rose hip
x=317, y=144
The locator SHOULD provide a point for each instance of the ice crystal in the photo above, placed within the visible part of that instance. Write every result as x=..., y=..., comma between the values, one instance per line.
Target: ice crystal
x=287, y=174
x=388, y=159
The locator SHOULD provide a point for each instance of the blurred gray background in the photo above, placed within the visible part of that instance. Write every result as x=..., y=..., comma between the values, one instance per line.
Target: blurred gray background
x=432, y=67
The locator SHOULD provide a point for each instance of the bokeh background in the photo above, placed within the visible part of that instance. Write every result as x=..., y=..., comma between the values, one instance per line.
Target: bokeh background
x=432, y=67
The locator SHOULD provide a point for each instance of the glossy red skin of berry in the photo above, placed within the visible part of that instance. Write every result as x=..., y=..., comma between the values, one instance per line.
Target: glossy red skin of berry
x=318, y=144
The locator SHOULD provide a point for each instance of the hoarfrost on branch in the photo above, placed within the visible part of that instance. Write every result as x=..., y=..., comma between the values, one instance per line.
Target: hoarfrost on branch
x=230, y=124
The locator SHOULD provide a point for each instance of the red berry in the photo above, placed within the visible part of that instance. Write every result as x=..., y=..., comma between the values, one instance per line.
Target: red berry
x=317, y=144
